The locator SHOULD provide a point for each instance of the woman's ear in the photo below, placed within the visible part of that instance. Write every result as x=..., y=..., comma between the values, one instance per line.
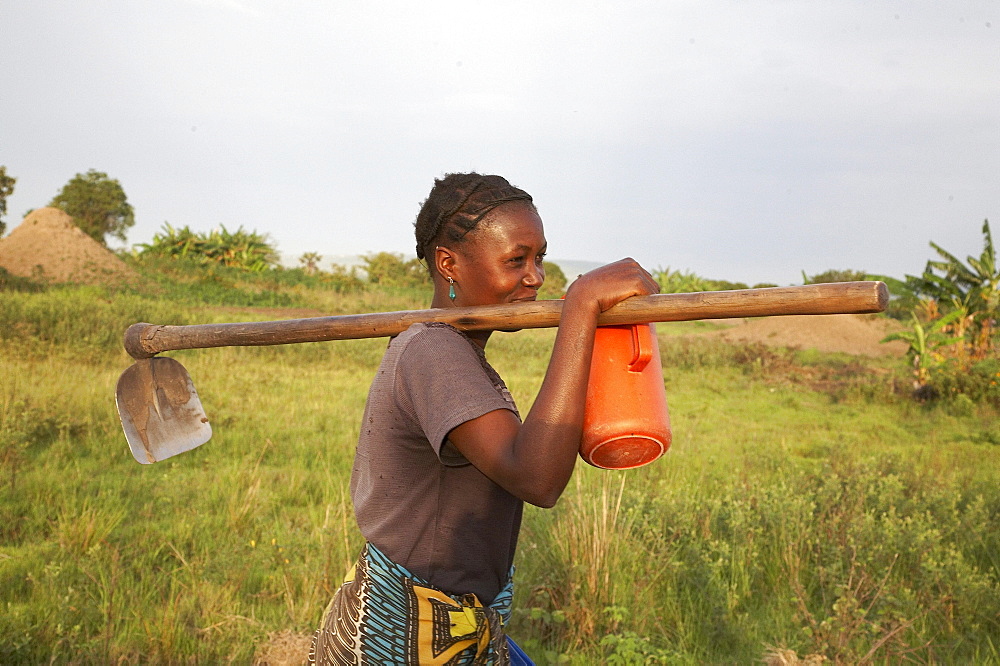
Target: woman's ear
x=444, y=262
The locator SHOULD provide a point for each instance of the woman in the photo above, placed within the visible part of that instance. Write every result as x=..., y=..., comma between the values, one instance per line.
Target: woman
x=444, y=462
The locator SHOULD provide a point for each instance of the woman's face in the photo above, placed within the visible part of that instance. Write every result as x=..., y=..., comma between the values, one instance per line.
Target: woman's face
x=501, y=260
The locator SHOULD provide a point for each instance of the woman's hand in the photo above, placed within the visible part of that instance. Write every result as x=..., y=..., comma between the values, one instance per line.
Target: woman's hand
x=610, y=284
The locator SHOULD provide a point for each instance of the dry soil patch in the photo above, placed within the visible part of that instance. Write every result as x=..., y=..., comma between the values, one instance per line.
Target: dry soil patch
x=284, y=648
x=859, y=335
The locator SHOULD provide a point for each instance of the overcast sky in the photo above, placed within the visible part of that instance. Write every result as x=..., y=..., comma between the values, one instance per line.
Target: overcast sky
x=741, y=140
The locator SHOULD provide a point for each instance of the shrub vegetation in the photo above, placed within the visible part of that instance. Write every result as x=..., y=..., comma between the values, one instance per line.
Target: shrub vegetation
x=246, y=250
x=953, y=335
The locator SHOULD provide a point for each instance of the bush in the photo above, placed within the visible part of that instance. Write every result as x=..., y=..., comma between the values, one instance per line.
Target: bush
x=388, y=269
x=10, y=282
x=834, y=275
x=90, y=319
x=979, y=383
x=555, y=281
x=678, y=282
x=238, y=249
x=190, y=280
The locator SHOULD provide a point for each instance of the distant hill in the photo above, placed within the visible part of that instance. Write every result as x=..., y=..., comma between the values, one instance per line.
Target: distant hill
x=571, y=267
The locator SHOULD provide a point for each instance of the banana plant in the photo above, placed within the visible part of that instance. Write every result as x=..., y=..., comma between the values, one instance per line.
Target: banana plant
x=679, y=282
x=973, y=286
x=248, y=250
x=927, y=342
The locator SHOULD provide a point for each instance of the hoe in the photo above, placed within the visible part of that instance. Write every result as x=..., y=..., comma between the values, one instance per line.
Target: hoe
x=162, y=415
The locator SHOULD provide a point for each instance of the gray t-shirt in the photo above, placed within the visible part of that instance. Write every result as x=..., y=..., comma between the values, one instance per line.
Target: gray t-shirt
x=415, y=496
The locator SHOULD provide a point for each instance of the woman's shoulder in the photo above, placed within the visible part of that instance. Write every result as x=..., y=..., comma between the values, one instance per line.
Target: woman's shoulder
x=432, y=354
x=433, y=338
x=431, y=333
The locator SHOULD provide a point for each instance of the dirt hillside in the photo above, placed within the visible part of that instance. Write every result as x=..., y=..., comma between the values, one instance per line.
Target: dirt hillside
x=851, y=334
x=48, y=247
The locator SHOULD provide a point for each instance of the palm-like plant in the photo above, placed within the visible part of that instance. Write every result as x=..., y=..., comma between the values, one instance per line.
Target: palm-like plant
x=310, y=262
x=171, y=242
x=927, y=342
x=680, y=282
x=973, y=286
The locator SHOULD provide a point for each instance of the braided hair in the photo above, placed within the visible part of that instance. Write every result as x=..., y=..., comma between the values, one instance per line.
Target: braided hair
x=456, y=205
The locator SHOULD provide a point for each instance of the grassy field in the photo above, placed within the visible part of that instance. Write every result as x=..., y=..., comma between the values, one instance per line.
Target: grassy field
x=805, y=505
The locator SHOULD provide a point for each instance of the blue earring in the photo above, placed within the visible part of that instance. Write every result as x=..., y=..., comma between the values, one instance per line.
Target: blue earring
x=451, y=289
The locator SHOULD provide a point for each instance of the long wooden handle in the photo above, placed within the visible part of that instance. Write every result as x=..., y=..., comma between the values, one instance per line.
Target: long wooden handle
x=146, y=340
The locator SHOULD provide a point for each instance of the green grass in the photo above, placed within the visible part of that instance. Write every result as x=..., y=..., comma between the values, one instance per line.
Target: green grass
x=803, y=505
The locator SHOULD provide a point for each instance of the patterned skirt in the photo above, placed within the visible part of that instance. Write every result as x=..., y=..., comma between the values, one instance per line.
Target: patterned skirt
x=383, y=614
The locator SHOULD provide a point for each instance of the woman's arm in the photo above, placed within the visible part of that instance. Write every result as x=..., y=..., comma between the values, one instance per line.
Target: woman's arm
x=534, y=460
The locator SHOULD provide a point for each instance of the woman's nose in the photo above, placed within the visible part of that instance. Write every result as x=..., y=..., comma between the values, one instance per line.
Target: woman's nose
x=535, y=276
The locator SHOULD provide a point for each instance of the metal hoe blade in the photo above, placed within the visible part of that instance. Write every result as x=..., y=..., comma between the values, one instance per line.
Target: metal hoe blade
x=160, y=410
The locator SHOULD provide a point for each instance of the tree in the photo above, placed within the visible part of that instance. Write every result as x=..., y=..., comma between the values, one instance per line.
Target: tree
x=97, y=204
x=6, y=189
x=310, y=262
x=391, y=270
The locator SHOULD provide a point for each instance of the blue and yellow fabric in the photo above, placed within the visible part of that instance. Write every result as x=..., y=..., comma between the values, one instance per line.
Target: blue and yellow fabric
x=383, y=614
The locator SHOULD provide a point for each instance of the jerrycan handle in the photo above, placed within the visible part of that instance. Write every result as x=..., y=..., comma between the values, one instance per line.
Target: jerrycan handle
x=642, y=346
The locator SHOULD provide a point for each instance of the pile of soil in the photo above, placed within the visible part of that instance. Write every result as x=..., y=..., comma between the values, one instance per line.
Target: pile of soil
x=48, y=247
x=851, y=334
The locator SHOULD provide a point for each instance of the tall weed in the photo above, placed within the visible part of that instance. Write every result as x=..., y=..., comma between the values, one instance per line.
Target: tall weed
x=77, y=319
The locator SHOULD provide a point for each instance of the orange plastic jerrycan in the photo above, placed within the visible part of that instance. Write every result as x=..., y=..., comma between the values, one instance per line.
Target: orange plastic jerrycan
x=625, y=423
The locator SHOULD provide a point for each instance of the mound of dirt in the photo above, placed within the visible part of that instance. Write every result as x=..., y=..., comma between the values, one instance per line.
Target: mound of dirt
x=850, y=334
x=48, y=247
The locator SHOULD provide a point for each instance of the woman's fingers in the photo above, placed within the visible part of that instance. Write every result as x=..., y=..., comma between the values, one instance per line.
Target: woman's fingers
x=613, y=283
